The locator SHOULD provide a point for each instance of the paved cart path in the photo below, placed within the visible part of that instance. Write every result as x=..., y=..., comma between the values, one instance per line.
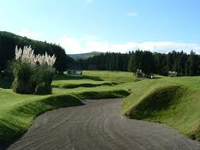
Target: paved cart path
x=98, y=126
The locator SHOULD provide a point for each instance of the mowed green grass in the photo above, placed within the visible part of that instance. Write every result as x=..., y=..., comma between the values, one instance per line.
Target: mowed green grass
x=17, y=111
x=174, y=101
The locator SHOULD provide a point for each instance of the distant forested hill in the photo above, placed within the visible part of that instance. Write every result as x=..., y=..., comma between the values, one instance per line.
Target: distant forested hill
x=8, y=41
x=184, y=64
x=84, y=55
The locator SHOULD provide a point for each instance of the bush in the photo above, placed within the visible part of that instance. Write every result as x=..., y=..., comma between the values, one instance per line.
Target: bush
x=33, y=73
x=23, y=87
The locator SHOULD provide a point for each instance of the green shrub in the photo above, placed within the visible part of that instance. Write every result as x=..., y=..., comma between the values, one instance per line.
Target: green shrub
x=33, y=73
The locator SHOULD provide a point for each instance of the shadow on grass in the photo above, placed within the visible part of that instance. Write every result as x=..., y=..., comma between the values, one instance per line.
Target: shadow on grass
x=103, y=94
x=156, y=77
x=65, y=77
x=156, y=101
x=72, y=86
x=6, y=138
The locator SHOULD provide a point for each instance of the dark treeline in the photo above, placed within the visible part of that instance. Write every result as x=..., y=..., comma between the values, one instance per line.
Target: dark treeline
x=106, y=61
x=8, y=41
x=148, y=62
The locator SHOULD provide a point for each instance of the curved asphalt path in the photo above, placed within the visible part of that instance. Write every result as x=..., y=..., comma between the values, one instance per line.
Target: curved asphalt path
x=98, y=126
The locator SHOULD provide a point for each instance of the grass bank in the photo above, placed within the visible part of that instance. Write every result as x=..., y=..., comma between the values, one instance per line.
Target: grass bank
x=80, y=83
x=172, y=101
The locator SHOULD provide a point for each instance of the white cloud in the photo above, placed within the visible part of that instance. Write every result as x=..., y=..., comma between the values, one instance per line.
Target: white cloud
x=30, y=34
x=91, y=43
x=109, y=47
x=165, y=47
x=131, y=14
x=71, y=45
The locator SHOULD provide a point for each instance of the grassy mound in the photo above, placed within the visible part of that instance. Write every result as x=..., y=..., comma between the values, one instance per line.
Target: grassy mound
x=103, y=94
x=16, y=121
x=70, y=85
x=158, y=99
x=172, y=101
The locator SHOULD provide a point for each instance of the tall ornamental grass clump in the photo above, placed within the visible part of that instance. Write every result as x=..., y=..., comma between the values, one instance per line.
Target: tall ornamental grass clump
x=32, y=73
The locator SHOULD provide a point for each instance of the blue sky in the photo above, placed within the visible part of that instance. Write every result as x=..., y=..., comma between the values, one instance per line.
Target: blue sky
x=106, y=25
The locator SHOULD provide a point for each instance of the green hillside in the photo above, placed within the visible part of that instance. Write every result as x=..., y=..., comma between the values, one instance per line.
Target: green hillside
x=84, y=55
x=172, y=101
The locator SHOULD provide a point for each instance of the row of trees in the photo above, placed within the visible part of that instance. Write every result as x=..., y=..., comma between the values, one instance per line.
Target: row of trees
x=106, y=61
x=8, y=41
x=148, y=62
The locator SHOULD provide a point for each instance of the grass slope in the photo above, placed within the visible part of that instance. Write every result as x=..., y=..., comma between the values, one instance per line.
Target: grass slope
x=81, y=83
x=84, y=55
x=173, y=101
x=17, y=111
x=16, y=120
